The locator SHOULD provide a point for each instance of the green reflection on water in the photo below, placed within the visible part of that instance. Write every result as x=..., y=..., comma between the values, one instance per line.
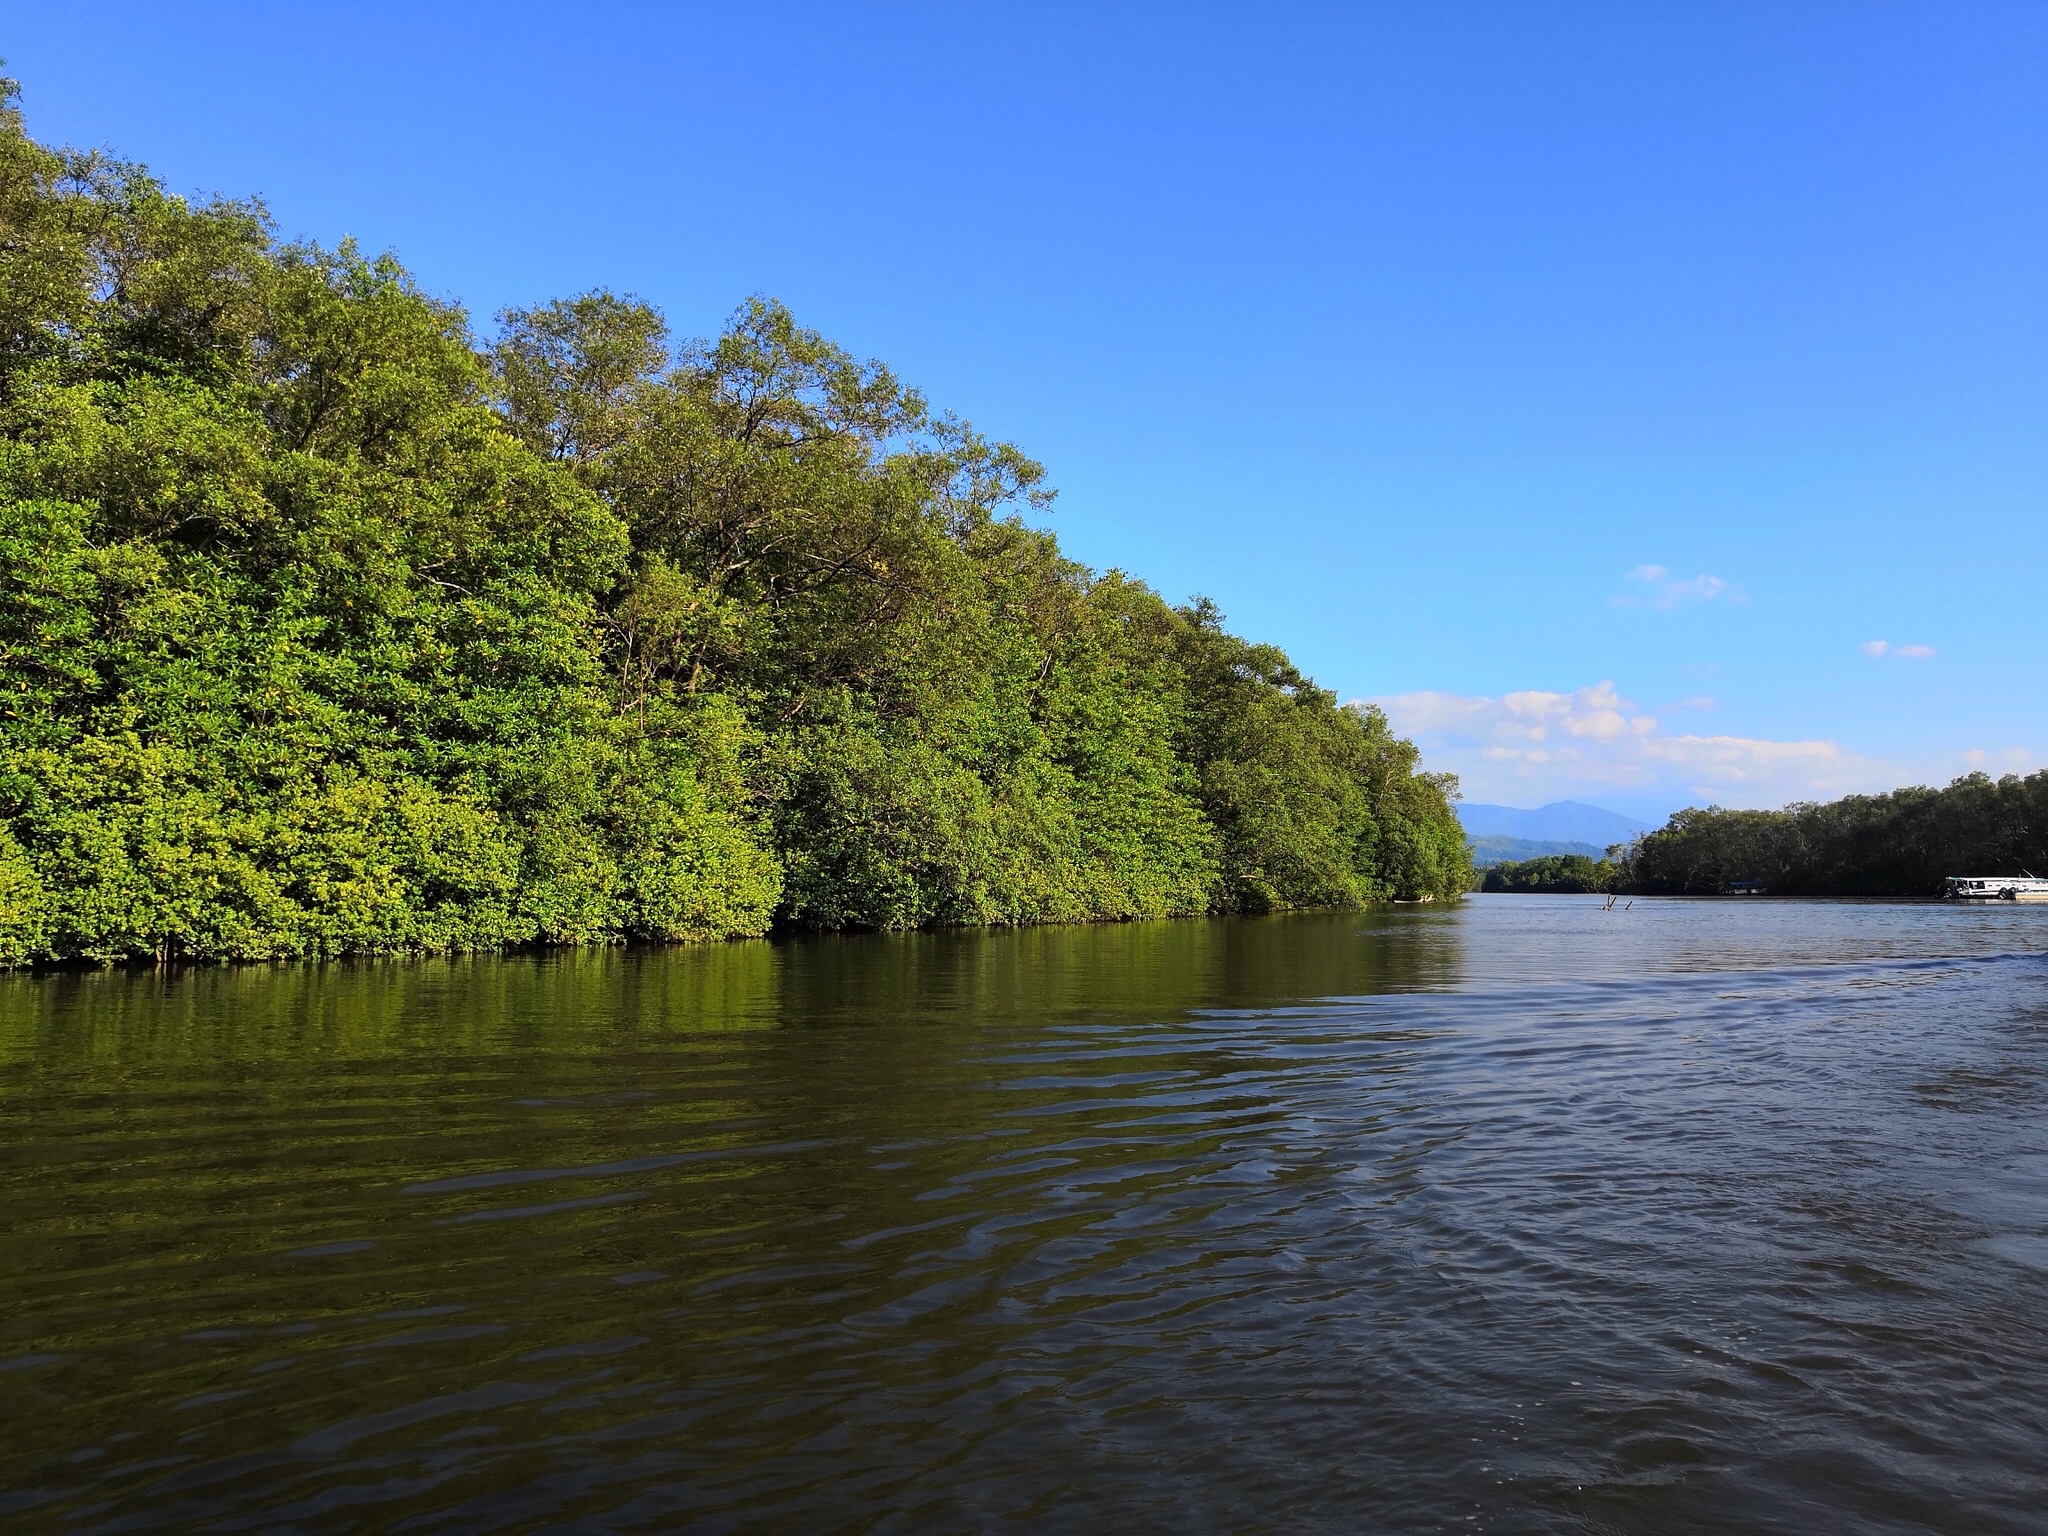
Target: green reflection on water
x=724, y=1156
x=594, y=1000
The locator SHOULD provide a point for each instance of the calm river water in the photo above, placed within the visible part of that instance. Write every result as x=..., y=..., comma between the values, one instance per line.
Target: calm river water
x=1525, y=1216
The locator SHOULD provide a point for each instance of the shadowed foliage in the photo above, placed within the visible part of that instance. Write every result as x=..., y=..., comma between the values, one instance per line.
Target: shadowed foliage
x=1900, y=844
x=1557, y=873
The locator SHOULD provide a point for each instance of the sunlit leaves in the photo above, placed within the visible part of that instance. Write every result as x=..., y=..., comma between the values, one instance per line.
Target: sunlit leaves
x=324, y=630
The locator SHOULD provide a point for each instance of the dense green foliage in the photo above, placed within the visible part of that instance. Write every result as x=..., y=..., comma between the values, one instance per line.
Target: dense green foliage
x=1901, y=844
x=325, y=628
x=1553, y=873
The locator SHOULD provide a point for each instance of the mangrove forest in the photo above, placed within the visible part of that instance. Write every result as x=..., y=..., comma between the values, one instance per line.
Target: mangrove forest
x=331, y=623
x=1901, y=844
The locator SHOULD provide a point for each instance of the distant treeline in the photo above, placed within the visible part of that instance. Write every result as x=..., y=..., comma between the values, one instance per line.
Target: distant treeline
x=1552, y=874
x=327, y=626
x=1901, y=844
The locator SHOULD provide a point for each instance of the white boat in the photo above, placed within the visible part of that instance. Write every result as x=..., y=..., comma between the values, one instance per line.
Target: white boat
x=1996, y=888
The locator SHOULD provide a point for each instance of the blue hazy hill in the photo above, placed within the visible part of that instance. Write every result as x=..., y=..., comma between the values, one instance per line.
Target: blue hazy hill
x=1562, y=821
x=1496, y=849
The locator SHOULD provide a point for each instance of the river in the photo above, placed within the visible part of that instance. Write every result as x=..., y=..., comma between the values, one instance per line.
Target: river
x=1523, y=1216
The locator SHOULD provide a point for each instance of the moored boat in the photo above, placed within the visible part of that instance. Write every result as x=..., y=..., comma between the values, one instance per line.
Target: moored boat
x=1995, y=888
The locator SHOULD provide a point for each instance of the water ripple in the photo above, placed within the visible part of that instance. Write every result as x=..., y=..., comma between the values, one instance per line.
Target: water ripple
x=1734, y=1218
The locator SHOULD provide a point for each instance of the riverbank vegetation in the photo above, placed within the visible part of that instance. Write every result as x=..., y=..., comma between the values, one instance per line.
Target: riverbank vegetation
x=1900, y=844
x=1551, y=874
x=327, y=626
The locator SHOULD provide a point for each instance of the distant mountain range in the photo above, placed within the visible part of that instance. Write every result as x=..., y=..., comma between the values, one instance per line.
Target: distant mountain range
x=1494, y=849
x=1562, y=821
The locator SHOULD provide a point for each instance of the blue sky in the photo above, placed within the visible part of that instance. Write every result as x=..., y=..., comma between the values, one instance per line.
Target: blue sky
x=1595, y=385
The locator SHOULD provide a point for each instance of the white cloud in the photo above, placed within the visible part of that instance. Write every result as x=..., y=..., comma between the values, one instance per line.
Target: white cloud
x=1665, y=593
x=1701, y=589
x=1876, y=647
x=1906, y=652
x=1526, y=747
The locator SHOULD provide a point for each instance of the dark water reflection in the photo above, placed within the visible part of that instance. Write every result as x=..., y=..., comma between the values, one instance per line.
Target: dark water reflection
x=1520, y=1217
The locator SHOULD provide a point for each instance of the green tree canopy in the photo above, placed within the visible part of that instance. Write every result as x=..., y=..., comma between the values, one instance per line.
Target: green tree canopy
x=326, y=627
x=1551, y=874
x=1905, y=843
